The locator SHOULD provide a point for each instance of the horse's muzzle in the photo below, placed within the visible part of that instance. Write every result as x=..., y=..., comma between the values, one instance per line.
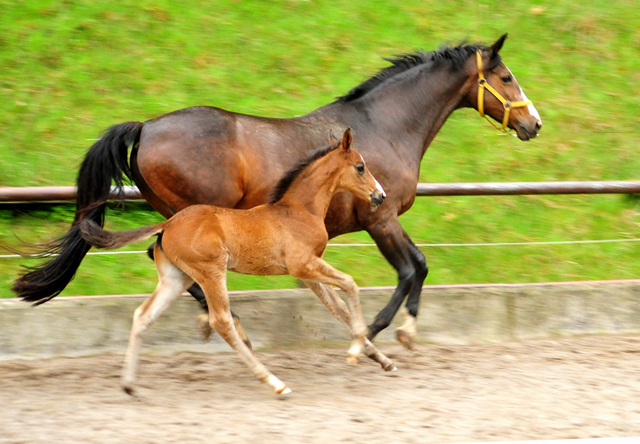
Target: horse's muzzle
x=528, y=131
x=377, y=197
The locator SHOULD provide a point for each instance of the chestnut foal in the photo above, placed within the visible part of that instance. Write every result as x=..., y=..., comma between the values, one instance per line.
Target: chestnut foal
x=287, y=235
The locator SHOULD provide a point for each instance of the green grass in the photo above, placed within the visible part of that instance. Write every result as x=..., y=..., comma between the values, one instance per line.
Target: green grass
x=69, y=69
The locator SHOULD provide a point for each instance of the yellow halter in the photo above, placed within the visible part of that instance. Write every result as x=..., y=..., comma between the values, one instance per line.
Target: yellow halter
x=508, y=105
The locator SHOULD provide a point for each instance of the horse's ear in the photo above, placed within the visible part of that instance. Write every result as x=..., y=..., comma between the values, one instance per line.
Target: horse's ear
x=332, y=137
x=347, y=138
x=498, y=45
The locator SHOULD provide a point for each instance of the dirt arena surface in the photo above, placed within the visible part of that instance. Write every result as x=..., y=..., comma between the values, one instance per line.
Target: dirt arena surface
x=553, y=389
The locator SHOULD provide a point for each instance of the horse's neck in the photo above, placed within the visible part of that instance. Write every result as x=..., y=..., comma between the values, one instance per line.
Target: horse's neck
x=410, y=111
x=313, y=190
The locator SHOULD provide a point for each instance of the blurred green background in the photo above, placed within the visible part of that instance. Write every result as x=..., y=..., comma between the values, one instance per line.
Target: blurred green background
x=69, y=69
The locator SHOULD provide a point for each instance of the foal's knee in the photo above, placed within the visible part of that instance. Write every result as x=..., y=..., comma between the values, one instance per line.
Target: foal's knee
x=350, y=286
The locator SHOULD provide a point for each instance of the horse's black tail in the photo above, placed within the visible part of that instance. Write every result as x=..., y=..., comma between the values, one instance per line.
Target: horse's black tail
x=106, y=161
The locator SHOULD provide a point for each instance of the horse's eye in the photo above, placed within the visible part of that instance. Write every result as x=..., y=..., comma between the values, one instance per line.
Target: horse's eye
x=506, y=79
x=360, y=168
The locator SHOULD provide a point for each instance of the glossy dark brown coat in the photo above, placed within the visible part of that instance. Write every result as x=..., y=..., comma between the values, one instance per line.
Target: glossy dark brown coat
x=212, y=156
x=286, y=236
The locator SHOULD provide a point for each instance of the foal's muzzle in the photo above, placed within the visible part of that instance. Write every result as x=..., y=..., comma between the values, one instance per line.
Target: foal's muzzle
x=377, y=197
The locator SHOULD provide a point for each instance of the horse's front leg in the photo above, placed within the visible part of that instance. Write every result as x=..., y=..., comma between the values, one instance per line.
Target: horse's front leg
x=410, y=263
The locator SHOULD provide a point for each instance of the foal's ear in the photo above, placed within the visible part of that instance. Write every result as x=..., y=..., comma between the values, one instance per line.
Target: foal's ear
x=347, y=138
x=332, y=137
x=498, y=45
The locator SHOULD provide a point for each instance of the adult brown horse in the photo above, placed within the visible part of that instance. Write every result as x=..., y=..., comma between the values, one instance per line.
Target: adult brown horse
x=206, y=155
x=285, y=236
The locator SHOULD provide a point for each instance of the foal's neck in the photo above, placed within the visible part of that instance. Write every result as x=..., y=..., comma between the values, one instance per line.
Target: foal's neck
x=314, y=188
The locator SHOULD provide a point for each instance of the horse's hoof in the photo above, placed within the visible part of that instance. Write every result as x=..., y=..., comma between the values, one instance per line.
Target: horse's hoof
x=129, y=390
x=405, y=339
x=352, y=360
x=204, y=326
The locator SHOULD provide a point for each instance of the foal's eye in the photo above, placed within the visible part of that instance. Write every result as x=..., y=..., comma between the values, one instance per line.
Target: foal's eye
x=506, y=79
x=360, y=168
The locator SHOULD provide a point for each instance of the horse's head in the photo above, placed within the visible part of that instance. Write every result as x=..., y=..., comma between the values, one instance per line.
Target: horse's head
x=355, y=176
x=498, y=94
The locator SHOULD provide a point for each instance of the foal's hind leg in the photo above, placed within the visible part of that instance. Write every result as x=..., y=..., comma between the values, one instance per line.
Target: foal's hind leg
x=172, y=282
x=339, y=311
x=203, y=318
x=220, y=318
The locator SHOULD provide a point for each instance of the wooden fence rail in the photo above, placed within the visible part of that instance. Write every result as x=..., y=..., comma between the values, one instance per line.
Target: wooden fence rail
x=68, y=193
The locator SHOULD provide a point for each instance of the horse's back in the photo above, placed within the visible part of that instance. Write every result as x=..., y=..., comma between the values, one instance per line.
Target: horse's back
x=191, y=156
x=206, y=155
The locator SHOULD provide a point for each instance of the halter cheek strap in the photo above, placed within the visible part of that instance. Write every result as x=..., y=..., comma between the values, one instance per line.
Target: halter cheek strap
x=508, y=105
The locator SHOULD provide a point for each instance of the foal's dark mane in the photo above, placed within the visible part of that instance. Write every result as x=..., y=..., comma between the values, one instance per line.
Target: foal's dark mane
x=287, y=179
x=455, y=56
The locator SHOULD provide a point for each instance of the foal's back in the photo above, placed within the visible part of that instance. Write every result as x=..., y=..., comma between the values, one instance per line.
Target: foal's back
x=258, y=241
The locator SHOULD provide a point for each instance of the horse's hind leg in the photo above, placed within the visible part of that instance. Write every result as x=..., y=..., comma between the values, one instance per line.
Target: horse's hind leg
x=221, y=320
x=172, y=282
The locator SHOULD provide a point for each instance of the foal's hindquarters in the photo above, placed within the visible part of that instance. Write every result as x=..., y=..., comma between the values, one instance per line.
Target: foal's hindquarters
x=172, y=282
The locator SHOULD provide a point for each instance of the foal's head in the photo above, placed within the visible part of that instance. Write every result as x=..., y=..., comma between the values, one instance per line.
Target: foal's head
x=354, y=176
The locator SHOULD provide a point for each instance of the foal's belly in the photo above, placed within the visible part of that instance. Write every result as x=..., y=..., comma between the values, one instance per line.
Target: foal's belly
x=260, y=266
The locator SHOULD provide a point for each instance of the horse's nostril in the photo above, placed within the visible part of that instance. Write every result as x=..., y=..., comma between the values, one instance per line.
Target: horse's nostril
x=538, y=125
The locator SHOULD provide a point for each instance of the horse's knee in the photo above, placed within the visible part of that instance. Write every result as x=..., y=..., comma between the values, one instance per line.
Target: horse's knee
x=420, y=263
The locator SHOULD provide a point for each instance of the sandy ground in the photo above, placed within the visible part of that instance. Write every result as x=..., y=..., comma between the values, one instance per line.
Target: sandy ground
x=568, y=388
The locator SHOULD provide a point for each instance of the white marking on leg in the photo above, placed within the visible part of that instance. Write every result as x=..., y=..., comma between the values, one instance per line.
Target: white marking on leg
x=409, y=323
x=278, y=385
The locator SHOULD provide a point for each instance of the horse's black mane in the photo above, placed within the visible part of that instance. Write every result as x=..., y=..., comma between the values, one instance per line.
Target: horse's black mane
x=287, y=179
x=456, y=56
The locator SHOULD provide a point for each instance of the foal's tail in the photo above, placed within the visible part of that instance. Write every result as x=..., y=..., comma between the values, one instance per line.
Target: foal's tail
x=106, y=161
x=96, y=236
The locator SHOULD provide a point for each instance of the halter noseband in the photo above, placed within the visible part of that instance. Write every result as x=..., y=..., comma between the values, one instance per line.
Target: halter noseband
x=508, y=105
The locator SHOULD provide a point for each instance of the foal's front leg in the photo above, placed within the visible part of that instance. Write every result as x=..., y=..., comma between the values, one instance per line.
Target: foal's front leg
x=320, y=271
x=339, y=311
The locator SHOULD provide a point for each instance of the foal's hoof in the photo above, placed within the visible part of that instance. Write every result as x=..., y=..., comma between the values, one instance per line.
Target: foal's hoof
x=283, y=391
x=405, y=339
x=204, y=326
x=352, y=360
x=390, y=368
x=129, y=390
